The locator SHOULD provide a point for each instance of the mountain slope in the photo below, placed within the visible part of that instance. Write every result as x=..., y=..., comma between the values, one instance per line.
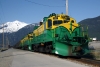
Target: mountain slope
x=93, y=26
x=14, y=31
x=10, y=27
x=16, y=36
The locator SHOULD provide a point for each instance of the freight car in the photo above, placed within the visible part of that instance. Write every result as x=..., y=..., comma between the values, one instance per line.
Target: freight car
x=58, y=34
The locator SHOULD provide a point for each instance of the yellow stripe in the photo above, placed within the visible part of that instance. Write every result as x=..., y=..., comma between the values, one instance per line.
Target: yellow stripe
x=39, y=30
x=67, y=26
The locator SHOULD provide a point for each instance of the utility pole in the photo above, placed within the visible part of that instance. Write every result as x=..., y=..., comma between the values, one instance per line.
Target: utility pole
x=67, y=7
x=3, y=37
x=7, y=42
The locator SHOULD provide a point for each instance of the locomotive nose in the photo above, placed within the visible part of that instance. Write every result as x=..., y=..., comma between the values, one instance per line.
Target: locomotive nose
x=78, y=50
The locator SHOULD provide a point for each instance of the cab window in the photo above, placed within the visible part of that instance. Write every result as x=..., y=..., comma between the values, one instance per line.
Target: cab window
x=49, y=22
x=56, y=22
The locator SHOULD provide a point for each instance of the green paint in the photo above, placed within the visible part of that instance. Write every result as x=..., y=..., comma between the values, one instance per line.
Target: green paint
x=61, y=49
x=64, y=41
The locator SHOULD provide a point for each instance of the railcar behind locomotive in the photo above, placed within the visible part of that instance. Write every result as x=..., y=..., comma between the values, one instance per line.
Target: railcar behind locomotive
x=59, y=34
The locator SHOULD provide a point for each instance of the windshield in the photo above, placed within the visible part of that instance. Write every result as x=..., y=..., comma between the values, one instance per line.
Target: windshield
x=56, y=22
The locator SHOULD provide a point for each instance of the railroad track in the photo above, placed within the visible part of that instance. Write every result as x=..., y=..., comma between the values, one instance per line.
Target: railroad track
x=85, y=61
x=89, y=62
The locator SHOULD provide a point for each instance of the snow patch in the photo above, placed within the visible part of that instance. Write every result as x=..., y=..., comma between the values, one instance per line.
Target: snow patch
x=10, y=27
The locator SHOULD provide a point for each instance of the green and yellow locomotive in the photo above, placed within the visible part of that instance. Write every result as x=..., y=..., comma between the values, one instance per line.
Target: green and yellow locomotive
x=58, y=34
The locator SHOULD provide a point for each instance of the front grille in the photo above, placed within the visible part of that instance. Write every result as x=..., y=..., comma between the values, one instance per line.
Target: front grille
x=79, y=39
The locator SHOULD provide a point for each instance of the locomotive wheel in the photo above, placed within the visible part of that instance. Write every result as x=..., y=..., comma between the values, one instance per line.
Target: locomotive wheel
x=36, y=48
x=23, y=48
x=41, y=49
x=48, y=49
x=26, y=47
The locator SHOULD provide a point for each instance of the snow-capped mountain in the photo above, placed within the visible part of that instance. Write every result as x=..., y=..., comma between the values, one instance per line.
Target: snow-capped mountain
x=10, y=27
x=15, y=37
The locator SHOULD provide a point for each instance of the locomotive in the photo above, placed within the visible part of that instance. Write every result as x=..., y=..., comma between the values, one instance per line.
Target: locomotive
x=58, y=34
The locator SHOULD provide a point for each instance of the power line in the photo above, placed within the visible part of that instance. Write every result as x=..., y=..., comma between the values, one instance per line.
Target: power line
x=63, y=0
x=42, y=4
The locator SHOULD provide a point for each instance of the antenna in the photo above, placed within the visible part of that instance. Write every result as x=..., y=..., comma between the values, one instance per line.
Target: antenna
x=67, y=7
